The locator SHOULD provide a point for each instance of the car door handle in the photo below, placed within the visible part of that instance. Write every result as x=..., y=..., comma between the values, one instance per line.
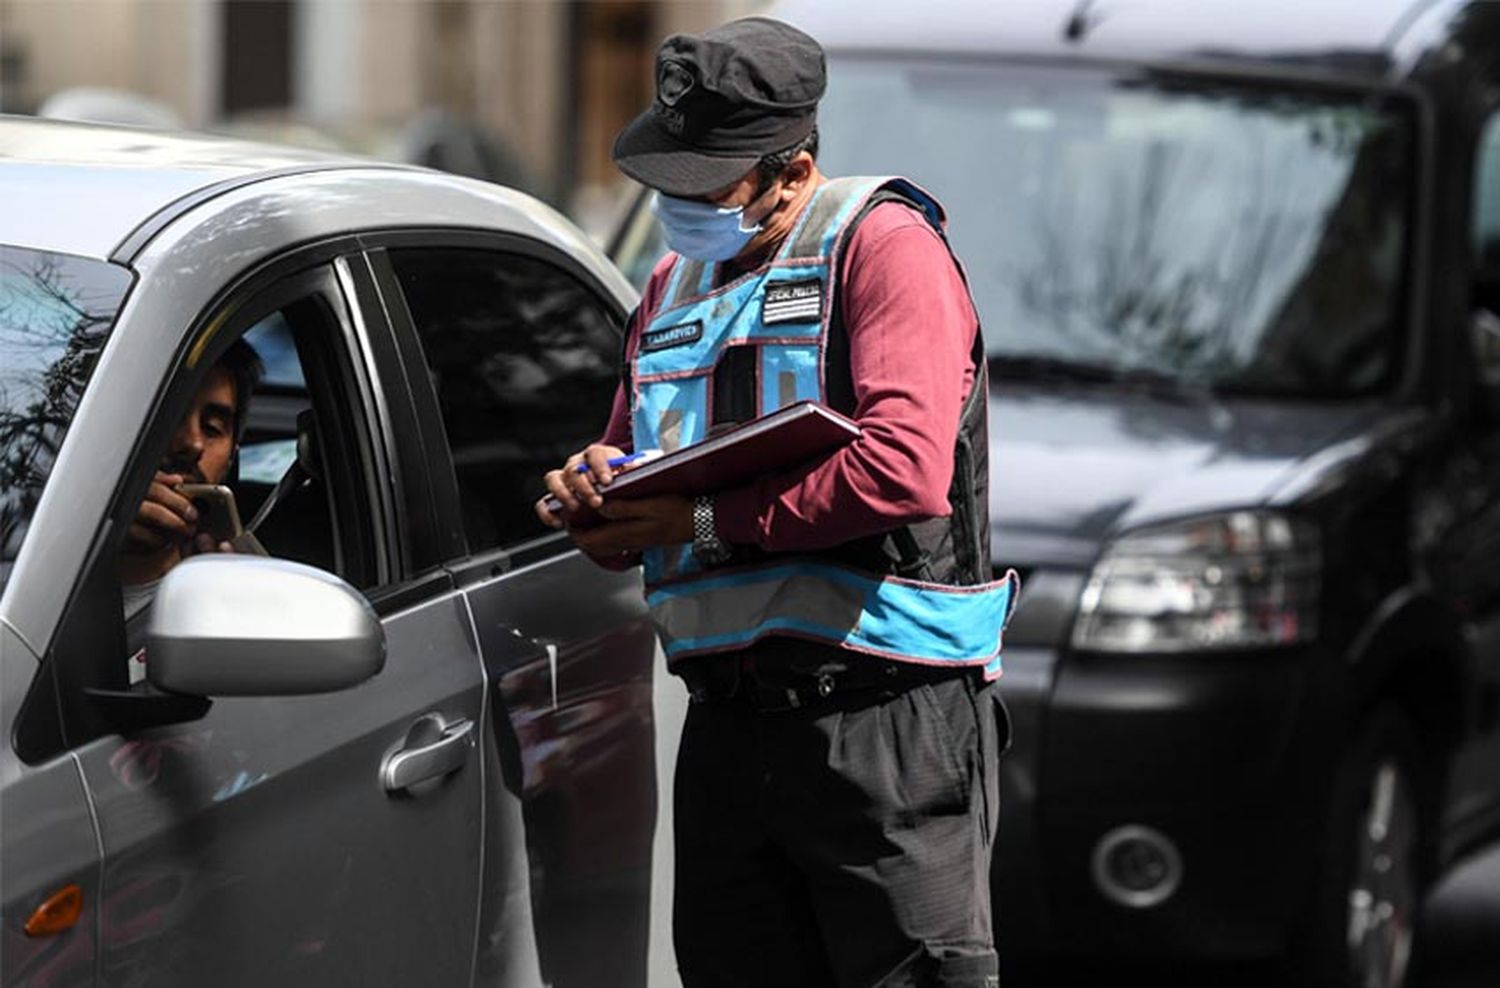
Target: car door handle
x=422, y=759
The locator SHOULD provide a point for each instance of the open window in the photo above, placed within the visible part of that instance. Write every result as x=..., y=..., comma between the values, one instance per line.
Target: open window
x=301, y=463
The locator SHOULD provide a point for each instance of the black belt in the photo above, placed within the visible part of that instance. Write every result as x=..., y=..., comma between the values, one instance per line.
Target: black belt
x=778, y=674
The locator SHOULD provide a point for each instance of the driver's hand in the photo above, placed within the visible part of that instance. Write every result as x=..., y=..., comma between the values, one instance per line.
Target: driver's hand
x=165, y=516
x=203, y=543
x=573, y=487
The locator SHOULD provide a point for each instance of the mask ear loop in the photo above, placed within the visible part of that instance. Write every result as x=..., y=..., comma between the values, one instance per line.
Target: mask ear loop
x=760, y=193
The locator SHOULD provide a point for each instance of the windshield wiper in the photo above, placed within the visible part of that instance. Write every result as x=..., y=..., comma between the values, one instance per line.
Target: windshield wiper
x=1036, y=367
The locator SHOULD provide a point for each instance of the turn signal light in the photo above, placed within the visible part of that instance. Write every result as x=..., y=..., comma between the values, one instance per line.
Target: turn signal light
x=58, y=913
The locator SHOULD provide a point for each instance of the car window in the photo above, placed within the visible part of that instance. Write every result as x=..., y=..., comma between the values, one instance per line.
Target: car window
x=278, y=448
x=55, y=314
x=1251, y=239
x=523, y=356
x=1487, y=196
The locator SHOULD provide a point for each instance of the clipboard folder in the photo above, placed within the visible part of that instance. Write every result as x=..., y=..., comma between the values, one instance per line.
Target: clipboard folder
x=783, y=439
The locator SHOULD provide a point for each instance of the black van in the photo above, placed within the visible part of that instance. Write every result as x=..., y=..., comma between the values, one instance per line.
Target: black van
x=1239, y=270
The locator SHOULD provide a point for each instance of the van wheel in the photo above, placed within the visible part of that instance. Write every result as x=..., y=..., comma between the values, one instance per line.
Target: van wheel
x=1369, y=887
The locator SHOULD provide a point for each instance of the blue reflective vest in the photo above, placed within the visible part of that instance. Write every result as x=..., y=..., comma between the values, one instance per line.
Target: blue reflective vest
x=717, y=355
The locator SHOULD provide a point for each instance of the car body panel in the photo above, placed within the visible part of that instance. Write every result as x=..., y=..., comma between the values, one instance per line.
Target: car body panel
x=1149, y=460
x=266, y=846
x=80, y=189
x=50, y=842
x=572, y=692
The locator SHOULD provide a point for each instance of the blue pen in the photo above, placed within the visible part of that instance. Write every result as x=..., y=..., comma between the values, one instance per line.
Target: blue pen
x=615, y=462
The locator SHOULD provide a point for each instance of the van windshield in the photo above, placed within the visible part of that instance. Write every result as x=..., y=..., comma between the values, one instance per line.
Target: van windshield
x=55, y=313
x=1240, y=239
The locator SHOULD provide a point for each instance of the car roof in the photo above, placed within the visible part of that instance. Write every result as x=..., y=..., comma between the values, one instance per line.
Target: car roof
x=82, y=189
x=1358, y=38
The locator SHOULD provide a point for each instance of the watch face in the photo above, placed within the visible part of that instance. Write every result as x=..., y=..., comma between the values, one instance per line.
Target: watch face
x=711, y=553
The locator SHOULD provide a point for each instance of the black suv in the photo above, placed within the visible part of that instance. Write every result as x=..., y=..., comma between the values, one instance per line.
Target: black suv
x=1238, y=268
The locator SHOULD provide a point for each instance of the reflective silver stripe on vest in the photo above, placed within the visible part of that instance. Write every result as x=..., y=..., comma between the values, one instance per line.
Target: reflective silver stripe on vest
x=899, y=619
x=688, y=284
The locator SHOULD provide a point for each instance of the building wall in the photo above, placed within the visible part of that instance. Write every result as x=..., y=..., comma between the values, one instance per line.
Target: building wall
x=555, y=79
x=151, y=48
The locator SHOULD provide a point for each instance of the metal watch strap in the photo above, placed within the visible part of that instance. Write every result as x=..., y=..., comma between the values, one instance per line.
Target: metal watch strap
x=708, y=548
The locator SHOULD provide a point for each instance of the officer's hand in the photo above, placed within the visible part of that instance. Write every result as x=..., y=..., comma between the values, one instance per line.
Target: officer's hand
x=573, y=488
x=164, y=516
x=634, y=525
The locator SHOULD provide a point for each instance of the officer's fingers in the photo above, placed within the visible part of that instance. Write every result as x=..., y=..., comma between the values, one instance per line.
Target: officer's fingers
x=604, y=540
x=546, y=515
x=622, y=509
x=557, y=486
x=203, y=542
x=597, y=457
x=582, y=486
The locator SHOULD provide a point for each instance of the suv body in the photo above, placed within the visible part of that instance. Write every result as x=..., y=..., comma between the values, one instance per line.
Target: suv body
x=422, y=751
x=1232, y=264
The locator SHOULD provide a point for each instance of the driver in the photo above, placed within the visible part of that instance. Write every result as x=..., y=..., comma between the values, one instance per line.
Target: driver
x=203, y=450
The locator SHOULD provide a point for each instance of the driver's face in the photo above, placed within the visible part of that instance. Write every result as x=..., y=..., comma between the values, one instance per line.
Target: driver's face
x=203, y=445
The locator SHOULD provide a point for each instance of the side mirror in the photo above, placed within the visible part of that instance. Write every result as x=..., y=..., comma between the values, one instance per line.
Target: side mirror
x=224, y=625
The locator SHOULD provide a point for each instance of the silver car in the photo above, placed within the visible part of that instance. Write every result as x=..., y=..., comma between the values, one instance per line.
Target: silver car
x=413, y=744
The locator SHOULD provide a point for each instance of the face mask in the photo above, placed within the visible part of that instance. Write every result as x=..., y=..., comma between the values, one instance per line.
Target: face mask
x=701, y=230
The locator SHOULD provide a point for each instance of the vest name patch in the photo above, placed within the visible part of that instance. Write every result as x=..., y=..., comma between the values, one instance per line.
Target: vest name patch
x=669, y=336
x=793, y=301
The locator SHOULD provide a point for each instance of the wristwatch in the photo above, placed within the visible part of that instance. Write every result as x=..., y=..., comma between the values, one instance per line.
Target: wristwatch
x=708, y=548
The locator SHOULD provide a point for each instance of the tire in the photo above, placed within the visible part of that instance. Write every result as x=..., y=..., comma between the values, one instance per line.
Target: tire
x=1359, y=931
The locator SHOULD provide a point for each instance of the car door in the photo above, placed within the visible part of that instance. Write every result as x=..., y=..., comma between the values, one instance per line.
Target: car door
x=520, y=346
x=264, y=843
x=1463, y=563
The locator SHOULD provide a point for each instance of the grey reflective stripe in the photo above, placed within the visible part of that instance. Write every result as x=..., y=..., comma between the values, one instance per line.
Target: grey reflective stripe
x=899, y=619
x=831, y=197
x=801, y=599
x=689, y=281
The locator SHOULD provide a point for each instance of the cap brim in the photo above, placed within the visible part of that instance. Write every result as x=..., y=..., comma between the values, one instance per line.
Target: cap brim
x=651, y=156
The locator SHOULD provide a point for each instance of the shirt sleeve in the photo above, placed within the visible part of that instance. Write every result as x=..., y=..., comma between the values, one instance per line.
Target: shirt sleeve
x=618, y=431
x=911, y=329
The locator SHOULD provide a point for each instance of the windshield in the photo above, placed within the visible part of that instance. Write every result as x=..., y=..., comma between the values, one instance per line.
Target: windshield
x=1246, y=239
x=1233, y=238
x=55, y=312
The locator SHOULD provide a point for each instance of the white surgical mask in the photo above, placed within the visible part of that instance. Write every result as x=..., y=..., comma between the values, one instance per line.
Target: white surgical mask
x=702, y=230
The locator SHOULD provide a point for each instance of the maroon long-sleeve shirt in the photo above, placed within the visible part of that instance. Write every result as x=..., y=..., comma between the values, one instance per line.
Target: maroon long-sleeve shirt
x=911, y=332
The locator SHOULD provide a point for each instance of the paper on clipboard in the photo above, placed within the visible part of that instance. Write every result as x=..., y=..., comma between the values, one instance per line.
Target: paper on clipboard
x=785, y=438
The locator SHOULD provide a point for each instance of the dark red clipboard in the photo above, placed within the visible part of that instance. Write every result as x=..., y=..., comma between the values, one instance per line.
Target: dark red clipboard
x=786, y=438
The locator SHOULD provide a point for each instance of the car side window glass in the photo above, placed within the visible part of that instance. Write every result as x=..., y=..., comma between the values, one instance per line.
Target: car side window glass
x=523, y=356
x=1486, y=216
x=56, y=312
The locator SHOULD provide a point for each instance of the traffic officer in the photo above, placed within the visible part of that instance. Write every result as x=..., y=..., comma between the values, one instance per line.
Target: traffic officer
x=837, y=624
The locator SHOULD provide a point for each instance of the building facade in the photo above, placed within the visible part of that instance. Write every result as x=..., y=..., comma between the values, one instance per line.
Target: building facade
x=551, y=81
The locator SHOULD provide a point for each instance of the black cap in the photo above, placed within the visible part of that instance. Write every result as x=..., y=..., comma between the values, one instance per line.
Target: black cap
x=724, y=99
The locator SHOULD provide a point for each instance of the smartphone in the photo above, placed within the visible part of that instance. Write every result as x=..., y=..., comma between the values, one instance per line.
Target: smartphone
x=218, y=515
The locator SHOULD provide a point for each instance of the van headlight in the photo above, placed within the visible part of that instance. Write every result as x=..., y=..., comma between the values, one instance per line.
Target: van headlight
x=1242, y=580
